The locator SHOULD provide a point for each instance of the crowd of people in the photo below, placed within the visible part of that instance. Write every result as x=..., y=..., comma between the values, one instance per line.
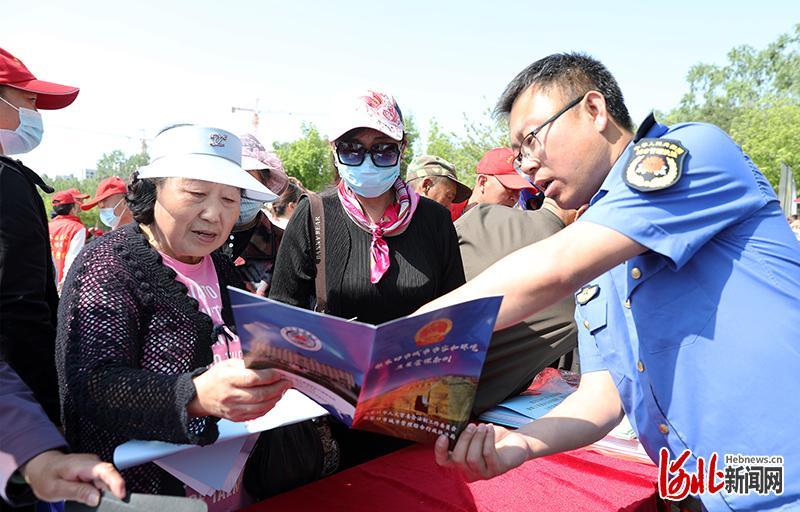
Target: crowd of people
x=621, y=254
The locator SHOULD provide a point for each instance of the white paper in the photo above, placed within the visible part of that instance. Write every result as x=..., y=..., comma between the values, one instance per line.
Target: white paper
x=210, y=468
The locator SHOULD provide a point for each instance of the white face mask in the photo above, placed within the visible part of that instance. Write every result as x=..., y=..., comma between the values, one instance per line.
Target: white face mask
x=26, y=137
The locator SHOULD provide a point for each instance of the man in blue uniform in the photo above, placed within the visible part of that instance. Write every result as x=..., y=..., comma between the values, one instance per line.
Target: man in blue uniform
x=688, y=285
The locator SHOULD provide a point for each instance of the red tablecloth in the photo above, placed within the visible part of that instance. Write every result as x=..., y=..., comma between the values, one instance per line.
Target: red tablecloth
x=409, y=481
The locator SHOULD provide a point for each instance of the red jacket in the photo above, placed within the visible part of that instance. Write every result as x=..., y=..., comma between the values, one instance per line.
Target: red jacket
x=63, y=229
x=457, y=210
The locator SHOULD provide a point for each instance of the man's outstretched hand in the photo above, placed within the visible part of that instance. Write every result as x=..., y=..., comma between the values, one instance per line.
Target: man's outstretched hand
x=483, y=451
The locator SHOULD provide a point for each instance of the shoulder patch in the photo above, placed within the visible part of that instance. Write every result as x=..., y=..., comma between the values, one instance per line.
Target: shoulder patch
x=656, y=164
x=587, y=293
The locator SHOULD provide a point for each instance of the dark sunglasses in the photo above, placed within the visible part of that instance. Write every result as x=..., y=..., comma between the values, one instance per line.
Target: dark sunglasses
x=353, y=153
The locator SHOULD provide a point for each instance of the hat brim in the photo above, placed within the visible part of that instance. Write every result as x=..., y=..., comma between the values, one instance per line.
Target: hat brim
x=88, y=205
x=277, y=180
x=342, y=129
x=210, y=168
x=49, y=96
x=514, y=181
x=463, y=192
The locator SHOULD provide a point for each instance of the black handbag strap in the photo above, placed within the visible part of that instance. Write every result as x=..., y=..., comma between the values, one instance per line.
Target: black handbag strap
x=318, y=238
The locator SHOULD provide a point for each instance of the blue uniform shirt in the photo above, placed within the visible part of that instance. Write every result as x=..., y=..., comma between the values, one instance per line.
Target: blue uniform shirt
x=701, y=333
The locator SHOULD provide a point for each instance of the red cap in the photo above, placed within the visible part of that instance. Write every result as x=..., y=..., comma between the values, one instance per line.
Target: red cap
x=50, y=96
x=106, y=188
x=63, y=197
x=77, y=193
x=498, y=162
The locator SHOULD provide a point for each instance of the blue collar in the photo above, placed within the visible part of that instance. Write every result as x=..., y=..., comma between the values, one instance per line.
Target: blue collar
x=649, y=128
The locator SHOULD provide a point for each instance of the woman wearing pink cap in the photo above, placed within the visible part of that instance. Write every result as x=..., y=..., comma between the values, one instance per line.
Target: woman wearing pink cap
x=387, y=250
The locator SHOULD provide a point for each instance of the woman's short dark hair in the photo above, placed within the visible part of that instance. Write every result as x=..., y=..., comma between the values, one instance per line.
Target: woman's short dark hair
x=63, y=209
x=141, y=197
x=290, y=195
x=573, y=74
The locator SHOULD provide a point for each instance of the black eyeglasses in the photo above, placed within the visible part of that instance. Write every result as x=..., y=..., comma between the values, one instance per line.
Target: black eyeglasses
x=353, y=153
x=527, y=146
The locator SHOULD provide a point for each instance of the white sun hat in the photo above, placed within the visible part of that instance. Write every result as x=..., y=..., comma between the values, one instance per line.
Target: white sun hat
x=203, y=153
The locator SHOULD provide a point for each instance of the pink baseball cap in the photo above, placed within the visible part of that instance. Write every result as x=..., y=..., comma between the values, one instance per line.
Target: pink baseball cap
x=369, y=109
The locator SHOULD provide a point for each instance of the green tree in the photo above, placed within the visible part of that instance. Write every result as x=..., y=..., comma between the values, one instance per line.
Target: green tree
x=308, y=158
x=771, y=136
x=412, y=137
x=750, y=79
x=465, y=150
x=755, y=97
x=115, y=163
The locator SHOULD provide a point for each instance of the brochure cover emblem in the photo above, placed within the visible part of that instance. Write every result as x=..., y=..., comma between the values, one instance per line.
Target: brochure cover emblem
x=301, y=338
x=433, y=332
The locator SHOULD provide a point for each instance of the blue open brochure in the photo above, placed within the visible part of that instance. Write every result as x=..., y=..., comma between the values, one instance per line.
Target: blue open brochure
x=522, y=409
x=414, y=377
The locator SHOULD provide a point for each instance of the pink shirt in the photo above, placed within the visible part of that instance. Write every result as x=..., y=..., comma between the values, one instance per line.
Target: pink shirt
x=203, y=286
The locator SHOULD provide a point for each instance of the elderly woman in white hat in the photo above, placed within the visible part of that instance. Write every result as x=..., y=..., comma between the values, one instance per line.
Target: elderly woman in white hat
x=143, y=347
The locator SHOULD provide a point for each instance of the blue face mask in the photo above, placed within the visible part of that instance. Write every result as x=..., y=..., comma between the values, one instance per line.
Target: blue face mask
x=26, y=137
x=248, y=209
x=109, y=218
x=367, y=179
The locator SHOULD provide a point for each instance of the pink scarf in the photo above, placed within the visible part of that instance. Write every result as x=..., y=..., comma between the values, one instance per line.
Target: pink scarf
x=394, y=222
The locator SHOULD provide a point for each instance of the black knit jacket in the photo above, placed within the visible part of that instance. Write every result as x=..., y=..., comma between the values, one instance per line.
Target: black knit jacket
x=425, y=263
x=129, y=342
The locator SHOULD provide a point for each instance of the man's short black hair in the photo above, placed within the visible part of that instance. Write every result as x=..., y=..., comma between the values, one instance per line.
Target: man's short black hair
x=574, y=74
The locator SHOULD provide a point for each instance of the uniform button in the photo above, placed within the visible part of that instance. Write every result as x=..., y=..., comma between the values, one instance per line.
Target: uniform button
x=628, y=303
x=663, y=428
x=636, y=273
x=640, y=366
x=586, y=323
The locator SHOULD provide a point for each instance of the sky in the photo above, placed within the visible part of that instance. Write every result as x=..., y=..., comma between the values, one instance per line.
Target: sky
x=147, y=64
